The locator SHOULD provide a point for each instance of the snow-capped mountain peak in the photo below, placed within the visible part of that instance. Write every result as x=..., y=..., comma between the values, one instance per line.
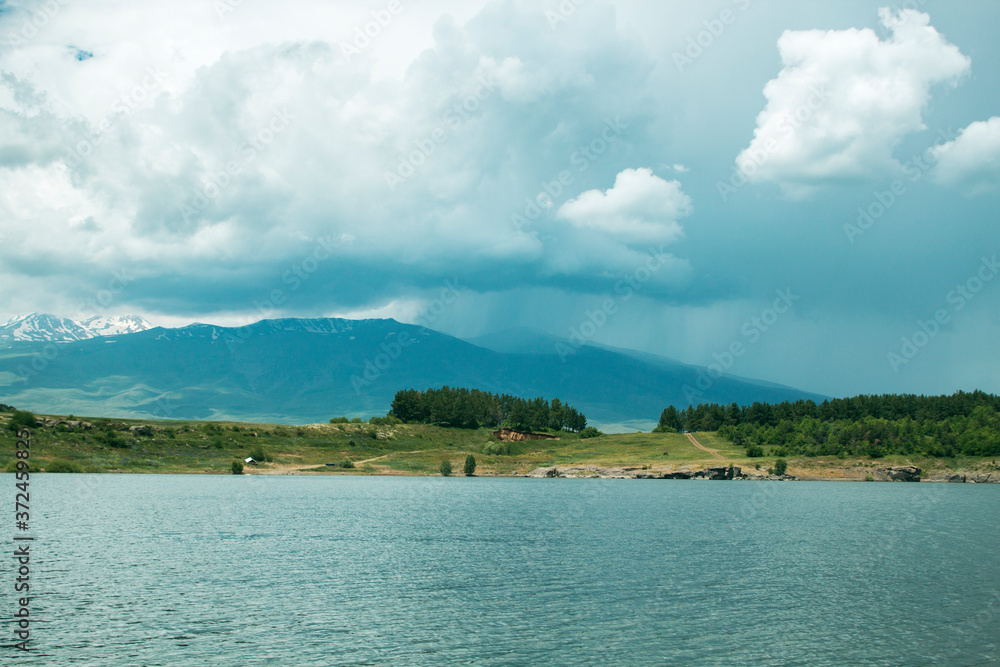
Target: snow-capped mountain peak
x=103, y=325
x=43, y=327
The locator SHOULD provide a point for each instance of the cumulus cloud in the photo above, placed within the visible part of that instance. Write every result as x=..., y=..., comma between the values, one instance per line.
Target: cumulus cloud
x=845, y=99
x=973, y=159
x=640, y=208
x=214, y=160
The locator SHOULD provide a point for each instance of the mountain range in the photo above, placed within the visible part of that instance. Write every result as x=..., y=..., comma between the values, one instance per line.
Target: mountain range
x=308, y=370
x=41, y=327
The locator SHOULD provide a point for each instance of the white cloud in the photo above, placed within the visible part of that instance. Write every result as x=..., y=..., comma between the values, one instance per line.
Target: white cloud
x=845, y=99
x=640, y=208
x=973, y=159
x=480, y=114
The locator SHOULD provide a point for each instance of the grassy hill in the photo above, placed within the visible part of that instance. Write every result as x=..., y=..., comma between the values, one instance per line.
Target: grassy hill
x=142, y=446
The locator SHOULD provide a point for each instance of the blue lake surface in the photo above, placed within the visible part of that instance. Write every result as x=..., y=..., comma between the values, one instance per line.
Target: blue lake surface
x=252, y=570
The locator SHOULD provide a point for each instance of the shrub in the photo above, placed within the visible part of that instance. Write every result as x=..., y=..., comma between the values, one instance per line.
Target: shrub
x=61, y=465
x=237, y=467
x=258, y=454
x=111, y=439
x=445, y=468
x=590, y=432
x=339, y=420
x=347, y=463
x=780, y=467
x=755, y=451
x=661, y=429
x=470, y=466
x=388, y=420
x=497, y=448
x=357, y=420
x=22, y=419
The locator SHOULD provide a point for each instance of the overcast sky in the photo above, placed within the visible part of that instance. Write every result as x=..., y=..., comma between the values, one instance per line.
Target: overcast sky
x=805, y=183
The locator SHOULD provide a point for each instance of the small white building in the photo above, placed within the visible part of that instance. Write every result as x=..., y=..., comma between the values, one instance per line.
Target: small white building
x=250, y=461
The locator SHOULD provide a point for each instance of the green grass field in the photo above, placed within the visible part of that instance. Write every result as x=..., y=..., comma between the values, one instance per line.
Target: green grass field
x=211, y=447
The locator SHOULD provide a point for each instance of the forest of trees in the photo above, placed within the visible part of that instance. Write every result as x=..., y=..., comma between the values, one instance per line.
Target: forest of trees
x=465, y=408
x=965, y=423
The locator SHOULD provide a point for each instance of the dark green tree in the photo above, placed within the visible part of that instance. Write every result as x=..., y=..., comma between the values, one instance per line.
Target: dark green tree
x=470, y=466
x=671, y=419
x=556, y=421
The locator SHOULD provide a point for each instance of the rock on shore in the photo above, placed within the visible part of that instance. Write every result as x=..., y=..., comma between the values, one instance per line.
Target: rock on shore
x=637, y=472
x=899, y=474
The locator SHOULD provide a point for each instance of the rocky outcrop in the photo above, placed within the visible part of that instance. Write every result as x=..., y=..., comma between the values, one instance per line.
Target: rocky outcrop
x=635, y=472
x=595, y=472
x=966, y=477
x=899, y=474
x=68, y=423
x=720, y=472
x=510, y=435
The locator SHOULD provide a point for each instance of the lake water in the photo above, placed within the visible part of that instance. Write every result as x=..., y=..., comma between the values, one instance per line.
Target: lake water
x=212, y=570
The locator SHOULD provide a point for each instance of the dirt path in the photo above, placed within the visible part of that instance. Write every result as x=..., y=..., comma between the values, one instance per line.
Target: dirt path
x=713, y=452
x=385, y=455
x=370, y=460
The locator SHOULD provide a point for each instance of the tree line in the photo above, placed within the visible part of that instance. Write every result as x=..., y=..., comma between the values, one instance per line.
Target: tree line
x=472, y=408
x=966, y=423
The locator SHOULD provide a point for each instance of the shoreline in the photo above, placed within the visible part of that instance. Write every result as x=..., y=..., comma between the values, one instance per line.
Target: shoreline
x=80, y=445
x=579, y=472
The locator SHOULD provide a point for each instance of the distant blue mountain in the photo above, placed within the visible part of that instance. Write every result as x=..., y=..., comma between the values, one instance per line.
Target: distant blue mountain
x=297, y=371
